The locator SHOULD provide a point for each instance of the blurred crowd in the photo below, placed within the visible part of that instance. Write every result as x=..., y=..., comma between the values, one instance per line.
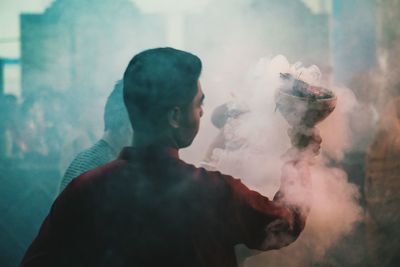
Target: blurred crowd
x=37, y=128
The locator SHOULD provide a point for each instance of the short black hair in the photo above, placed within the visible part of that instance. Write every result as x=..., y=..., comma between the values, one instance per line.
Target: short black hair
x=156, y=80
x=115, y=113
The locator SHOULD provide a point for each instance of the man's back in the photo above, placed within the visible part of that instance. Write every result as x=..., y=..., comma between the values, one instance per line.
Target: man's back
x=149, y=208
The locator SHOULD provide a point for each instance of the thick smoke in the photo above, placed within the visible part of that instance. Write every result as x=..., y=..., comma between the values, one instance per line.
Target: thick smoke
x=256, y=141
x=254, y=144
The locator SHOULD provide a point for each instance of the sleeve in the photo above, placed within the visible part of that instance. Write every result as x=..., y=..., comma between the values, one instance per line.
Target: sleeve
x=264, y=224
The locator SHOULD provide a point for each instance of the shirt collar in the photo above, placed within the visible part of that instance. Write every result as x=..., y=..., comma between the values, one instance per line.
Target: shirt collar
x=133, y=153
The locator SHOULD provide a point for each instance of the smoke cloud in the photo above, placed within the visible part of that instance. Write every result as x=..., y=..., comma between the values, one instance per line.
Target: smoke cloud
x=240, y=70
x=254, y=144
x=232, y=38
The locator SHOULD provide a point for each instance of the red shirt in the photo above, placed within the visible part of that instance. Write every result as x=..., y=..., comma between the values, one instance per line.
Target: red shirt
x=149, y=208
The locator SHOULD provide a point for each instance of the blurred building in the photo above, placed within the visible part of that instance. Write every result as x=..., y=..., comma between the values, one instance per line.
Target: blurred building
x=71, y=56
x=9, y=76
x=353, y=37
x=383, y=170
x=233, y=37
x=1, y=76
x=83, y=46
x=287, y=27
x=5, y=63
x=388, y=23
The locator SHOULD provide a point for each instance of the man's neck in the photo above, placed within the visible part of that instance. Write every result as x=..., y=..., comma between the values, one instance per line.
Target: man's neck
x=142, y=139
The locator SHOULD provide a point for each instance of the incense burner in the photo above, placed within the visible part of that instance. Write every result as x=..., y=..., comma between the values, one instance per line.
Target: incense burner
x=303, y=105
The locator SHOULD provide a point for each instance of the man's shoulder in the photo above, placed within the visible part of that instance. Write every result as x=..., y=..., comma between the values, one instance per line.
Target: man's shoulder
x=213, y=176
x=99, y=175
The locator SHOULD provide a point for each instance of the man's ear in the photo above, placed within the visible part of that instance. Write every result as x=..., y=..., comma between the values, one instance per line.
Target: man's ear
x=174, y=117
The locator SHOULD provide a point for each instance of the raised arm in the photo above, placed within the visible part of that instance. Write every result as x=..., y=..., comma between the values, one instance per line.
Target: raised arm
x=266, y=224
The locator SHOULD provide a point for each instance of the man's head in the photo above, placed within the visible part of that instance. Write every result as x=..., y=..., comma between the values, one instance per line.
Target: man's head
x=116, y=120
x=163, y=95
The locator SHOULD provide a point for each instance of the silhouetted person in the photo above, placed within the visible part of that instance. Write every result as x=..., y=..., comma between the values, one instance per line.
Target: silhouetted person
x=382, y=185
x=219, y=118
x=150, y=208
x=117, y=134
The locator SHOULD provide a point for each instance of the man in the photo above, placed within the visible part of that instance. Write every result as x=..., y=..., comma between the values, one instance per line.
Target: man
x=382, y=185
x=117, y=134
x=148, y=207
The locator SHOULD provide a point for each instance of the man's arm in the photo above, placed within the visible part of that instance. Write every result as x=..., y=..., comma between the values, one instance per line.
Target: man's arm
x=260, y=223
x=266, y=224
x=296, y=195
